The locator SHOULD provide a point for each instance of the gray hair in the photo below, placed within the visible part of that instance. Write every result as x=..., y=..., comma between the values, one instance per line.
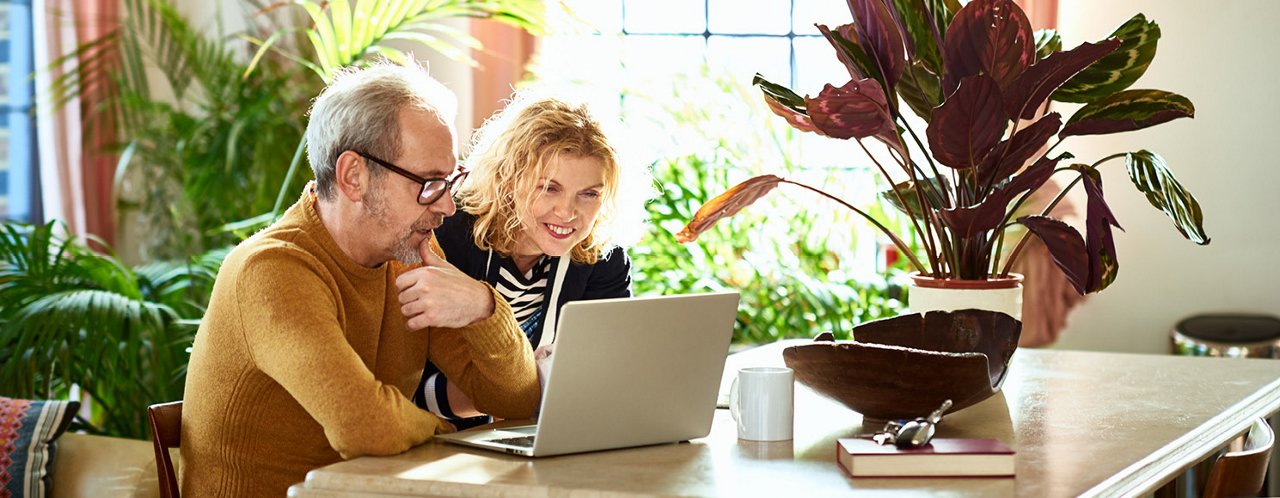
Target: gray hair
x=360, y=111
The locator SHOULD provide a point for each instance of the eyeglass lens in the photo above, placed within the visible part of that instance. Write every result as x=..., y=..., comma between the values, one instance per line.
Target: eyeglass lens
x=434, y=189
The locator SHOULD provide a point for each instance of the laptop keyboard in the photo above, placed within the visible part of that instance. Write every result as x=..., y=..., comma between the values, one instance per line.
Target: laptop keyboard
x=523, y=441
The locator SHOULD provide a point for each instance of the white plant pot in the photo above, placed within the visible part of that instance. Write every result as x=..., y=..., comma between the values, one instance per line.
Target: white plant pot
x=1003, y=295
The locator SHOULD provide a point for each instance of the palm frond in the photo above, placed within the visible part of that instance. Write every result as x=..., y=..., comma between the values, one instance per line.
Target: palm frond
x=72, y=316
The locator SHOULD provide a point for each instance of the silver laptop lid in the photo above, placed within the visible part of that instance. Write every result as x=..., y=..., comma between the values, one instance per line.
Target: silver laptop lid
x=635, y=371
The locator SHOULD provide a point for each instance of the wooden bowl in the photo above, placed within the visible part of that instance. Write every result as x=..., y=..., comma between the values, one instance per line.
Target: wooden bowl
x=906, y=366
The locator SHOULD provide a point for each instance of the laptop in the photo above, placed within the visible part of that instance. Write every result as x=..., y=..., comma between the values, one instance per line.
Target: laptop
x=626, y=372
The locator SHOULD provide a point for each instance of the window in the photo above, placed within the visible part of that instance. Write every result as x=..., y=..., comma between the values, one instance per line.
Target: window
x=18, y=186
x=650, y=43
x=659, y=50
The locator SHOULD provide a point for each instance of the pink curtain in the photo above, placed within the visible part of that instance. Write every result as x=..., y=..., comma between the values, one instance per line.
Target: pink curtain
x=58, y=130
x=95, y=18
x=76, y=172
x=1042, y=13
x=501, y=64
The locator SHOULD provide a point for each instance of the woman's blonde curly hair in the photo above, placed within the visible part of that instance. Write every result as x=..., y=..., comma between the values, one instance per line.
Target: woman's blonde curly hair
x=512, y=157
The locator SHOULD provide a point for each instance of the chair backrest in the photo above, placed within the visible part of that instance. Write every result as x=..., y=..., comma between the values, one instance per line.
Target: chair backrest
x=1240, y=473
x=166, y=432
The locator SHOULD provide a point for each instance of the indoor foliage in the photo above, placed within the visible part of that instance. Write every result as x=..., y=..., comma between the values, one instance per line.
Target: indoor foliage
x=76, y=320
x=788, y=288
x=980, y=78
x=218, y=136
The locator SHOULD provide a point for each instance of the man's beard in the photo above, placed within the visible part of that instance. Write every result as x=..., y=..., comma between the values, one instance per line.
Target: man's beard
x=403, y=250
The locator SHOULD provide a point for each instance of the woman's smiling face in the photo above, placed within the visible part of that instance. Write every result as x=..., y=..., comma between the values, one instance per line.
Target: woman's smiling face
x=563, y=211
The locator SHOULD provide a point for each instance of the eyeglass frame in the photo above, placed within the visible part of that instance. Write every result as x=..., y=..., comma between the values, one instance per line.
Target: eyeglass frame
x=450, y=183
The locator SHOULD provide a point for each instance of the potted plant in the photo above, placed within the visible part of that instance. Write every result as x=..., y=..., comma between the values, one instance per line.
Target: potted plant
x=981, y=79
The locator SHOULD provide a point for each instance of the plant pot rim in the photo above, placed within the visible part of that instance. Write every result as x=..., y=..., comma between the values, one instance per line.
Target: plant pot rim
x=1010, y=282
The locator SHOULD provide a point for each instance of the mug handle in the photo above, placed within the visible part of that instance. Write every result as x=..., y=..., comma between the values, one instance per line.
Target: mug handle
x=733, y=399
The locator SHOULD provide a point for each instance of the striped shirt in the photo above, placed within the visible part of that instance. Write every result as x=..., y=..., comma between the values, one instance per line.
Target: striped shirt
x=524, y=292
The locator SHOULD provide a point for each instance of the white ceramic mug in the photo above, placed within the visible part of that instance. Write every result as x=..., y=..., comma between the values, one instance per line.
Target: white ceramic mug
x=761, y=400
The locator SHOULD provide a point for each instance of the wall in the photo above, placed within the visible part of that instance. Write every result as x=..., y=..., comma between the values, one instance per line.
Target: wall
x=1218, y=55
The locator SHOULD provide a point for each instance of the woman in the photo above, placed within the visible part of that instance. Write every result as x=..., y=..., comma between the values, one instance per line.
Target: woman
x=537, y=220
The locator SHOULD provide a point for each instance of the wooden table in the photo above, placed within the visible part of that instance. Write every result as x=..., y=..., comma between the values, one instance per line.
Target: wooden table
x=1093, y=424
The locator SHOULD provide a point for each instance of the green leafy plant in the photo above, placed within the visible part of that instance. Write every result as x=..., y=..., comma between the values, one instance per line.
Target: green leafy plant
x=342, y=35
x=979, y=77
x=787, y=288
x=207, y=135
x=199, y=144
x=76, y=320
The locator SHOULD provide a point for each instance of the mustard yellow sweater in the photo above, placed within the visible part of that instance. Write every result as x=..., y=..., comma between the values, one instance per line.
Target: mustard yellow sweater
x=304, y=358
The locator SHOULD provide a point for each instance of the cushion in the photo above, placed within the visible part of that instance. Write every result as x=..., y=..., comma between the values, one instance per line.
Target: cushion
x=27, y=431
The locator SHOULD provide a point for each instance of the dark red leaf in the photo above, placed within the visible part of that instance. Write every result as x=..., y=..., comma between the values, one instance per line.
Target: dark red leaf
x=726, y=205
x=1009, y=156
x=991, y=37
x=990, y=213
x=856, y=110
x=879, y=35
x=855, y=71
x=798, y=120
x=1065, y=246
x=967, y=222
x=1029, y=91
x=1100, y=127
x=965, y=127
x=784, y=102
x=1101, y=246
x=1033, y=177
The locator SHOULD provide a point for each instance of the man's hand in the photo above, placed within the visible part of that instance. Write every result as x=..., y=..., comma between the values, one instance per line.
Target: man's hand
x=439, y=295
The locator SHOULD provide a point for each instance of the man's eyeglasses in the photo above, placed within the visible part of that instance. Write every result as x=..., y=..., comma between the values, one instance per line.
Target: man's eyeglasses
x=432, y=188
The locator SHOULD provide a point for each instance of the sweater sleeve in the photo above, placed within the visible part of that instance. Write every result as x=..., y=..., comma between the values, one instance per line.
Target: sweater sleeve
x=491, y=361
x=289, y=317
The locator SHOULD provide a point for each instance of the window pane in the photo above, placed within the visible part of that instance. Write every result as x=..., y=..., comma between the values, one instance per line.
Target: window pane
x=743, y=57
x=665, y=16
x=828, y=12
x=650, y=57
x=580, y=59
x=16, y=131
x=816, y=65
x=587, y=16
x=749, y=16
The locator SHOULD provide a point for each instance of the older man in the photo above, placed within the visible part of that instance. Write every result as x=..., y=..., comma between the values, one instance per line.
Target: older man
x=317, y=326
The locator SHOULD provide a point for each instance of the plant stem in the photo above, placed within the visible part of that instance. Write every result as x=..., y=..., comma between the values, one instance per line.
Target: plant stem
x=940, y=241
x=288, y=177
x=902, y=246
x=995, y=255
x=932, y=258
x=946, y=196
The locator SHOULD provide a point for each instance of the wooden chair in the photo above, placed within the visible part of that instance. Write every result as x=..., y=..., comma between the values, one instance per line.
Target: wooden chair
x=166, y=432
x=1240, y=473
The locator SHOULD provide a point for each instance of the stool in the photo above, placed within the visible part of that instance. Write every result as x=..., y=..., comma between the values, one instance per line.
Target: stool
x=1230, y=335
x=1227, y=335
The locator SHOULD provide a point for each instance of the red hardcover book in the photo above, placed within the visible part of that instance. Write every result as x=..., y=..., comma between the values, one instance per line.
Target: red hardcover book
x=942, y=457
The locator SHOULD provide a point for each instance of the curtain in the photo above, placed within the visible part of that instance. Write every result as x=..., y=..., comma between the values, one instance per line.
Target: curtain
x=1042, y=13
x=57, y=130
x=76, y=169
x=94, y=19
x=500, y=65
